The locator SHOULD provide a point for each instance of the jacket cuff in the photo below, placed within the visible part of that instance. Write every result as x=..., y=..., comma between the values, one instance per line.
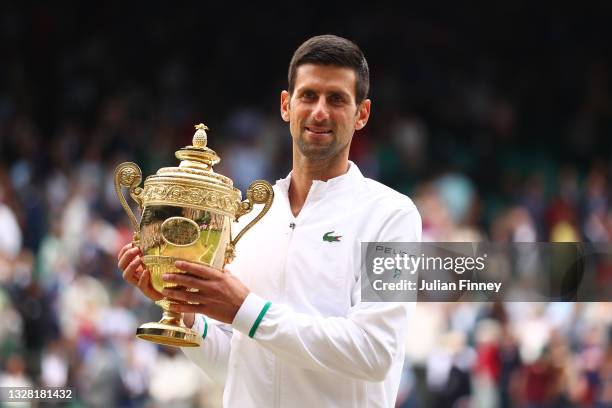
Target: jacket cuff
x=200, y=325
x=250, y=314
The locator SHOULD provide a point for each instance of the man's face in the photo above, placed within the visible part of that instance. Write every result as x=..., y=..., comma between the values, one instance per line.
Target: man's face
x=322, y=112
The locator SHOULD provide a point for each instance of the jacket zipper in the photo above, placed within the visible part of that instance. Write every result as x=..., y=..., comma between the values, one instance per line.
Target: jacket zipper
x=277, y=363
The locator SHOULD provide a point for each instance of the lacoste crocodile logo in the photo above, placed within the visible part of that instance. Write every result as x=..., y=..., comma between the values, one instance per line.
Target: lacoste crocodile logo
x=327, y=237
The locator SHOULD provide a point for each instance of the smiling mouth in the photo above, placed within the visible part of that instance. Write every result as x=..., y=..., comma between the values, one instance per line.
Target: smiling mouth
x=318, y=131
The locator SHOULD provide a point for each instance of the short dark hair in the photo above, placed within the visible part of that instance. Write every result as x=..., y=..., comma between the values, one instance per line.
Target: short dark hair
x=333, y=50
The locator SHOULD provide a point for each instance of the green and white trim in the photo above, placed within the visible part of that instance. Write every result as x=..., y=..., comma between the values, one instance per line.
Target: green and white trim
x=200, y=325
x=251, y=314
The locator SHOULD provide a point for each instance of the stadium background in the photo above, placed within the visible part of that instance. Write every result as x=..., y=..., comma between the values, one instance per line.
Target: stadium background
x=495, y=119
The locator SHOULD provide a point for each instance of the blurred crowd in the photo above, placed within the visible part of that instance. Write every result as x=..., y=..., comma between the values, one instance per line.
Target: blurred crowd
x=490, y=146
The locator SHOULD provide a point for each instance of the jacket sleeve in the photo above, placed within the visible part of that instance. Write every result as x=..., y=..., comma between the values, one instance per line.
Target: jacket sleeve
x=212, y=355
x=363, y=344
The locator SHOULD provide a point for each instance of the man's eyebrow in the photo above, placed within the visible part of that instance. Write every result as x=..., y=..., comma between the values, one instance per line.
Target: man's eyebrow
x=339, y=93
x=329, y=92
x=305, y=89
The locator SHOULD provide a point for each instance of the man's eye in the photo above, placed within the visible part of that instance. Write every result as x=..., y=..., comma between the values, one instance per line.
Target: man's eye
x=337, y=99
x=308, y=96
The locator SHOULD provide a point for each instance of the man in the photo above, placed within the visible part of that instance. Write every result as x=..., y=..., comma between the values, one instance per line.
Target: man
x=284, y=325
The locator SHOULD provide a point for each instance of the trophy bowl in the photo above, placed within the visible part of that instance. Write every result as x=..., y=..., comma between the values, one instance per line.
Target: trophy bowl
x=187, y=213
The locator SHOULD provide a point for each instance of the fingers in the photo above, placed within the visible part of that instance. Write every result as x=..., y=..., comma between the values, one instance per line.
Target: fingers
x=186, y=308
x=127, y=257
x=133, y=272
x=185, y=296
x=200, y=270
x=124, y=249
x=188, y=281
x=144, y=284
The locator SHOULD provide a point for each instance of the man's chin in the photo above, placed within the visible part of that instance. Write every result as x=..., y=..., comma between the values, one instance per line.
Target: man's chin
x=316, y=151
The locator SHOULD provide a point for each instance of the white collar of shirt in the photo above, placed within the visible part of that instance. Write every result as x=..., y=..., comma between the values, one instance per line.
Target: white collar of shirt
x=320, y=188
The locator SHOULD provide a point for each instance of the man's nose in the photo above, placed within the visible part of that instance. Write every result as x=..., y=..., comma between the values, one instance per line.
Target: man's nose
x=321, y=110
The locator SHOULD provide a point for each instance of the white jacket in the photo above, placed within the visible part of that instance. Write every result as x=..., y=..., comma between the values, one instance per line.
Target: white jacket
x=303, y=338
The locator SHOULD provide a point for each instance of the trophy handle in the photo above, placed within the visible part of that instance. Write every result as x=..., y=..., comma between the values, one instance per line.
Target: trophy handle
x=259, y=192
x=129, y=175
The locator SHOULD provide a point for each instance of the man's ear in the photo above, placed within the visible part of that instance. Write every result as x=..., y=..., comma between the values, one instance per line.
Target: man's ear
x=284, y=105
x=363, y=114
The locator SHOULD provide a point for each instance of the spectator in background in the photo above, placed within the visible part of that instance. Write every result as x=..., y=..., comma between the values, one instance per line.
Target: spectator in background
x=10, y=238
x=14, y=375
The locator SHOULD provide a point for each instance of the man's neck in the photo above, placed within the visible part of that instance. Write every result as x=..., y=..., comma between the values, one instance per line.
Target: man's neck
x=305, y=172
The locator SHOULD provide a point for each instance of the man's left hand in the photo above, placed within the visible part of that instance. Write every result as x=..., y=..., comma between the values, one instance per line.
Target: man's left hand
x=219, y=296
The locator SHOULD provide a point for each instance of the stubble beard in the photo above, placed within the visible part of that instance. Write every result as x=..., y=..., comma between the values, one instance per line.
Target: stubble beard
x=318, y=152
x=321, y=152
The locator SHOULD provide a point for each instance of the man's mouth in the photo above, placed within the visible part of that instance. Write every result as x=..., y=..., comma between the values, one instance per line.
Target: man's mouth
x=318, y=131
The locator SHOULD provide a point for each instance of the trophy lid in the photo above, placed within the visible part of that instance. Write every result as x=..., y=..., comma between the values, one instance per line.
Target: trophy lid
x=193, y=183
x=197, y=161
x=198, y=155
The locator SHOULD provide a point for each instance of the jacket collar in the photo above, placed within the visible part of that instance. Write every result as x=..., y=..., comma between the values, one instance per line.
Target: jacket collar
x=349, y=180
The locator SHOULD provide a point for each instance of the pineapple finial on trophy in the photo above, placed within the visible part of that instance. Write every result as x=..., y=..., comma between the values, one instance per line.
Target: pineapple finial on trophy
x=199, y=138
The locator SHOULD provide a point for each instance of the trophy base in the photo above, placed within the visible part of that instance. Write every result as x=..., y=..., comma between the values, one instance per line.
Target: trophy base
x=169, y=335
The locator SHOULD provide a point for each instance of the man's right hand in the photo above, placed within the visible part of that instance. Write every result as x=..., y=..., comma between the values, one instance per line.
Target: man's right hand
x=134, y=272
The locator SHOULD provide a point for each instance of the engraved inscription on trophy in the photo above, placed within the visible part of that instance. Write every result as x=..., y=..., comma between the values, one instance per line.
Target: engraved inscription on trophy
x=180, y=231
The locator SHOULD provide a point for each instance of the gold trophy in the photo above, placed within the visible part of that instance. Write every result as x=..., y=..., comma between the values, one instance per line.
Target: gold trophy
x=187, y=213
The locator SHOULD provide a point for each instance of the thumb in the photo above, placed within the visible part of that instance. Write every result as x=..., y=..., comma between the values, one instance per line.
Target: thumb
x=145, y=285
